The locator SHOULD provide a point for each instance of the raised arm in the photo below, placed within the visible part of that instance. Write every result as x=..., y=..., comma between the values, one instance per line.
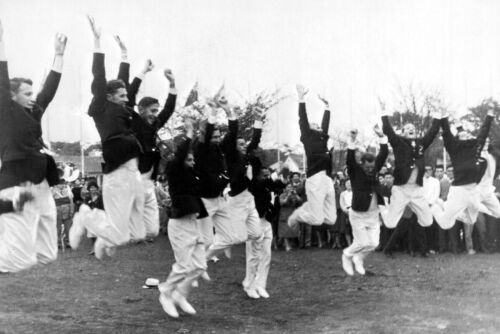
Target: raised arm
x=386, y=124
x=52, y=82
x=133, y=89
x=124, y=69
x=384, y=149
x=183, y=148
x=485, y=128
x=303, y=120
x=98, y=86
x=257, y=130
x=325, y=122
x=228, y=144
x=169, y=107
x=431, y=133
x=4, y=73
x=448, y=138
x=351, y=154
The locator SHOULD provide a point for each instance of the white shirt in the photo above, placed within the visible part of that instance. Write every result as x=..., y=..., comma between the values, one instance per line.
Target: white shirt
x=345, y=200
x=431, y=189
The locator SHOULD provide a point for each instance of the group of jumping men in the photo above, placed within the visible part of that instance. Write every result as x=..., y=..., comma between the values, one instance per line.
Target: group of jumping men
x=216, y=182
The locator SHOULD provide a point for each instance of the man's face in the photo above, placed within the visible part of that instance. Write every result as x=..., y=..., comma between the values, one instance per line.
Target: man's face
x=428, y=171
x=389, y=180
x=118, y=97
x=381, y=179
x=189, y=161
x=449, y=173
x=341, y=176
x=150, y=112
x=348, y=185
x=439, y=173
x=93, y=191
x=264, y=174
x=295, y=178
x=464, y=135
x=24, y=96
x=409, y=131
x=241, y=146
x=215, y=137
x=368, y=167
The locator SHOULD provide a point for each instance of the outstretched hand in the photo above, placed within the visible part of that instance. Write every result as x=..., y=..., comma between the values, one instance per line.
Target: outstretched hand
x=24, y=197
x=353, y=135
x=301, y=91
x=121, y=45
x=258, y=114
x=148, y=66
x=169, y=75
x=60, y=44
x=378, y=131
x=95, y=30
x=381, y=103
x=325, y=101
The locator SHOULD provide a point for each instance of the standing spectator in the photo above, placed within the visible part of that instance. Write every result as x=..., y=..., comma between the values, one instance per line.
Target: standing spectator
x=431, y=194
x=448, y=239
x=94, y=200
x=344, y=227
x=289, y=200
x=63, y=197
x=76, y=189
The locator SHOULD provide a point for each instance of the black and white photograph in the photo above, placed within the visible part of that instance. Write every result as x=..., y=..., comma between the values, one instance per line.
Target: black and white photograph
x=249, y=166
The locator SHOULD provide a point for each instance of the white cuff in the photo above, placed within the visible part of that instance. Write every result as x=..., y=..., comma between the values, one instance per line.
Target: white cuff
x=173, y=91
x=211, y=119
x=351, y=146
x=302, y=101
x=258, y=124
x=141, y=76
x=382, y=140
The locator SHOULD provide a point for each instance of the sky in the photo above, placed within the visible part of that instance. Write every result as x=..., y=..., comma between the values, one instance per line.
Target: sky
x=349, y=51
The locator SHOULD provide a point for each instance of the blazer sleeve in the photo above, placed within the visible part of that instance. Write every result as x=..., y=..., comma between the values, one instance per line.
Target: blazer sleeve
x=254, y=143
x=303, y=121
x=181, y=152
x=124, y=73
x=484, y=131
x=4, y=85
x=388, y=130
x=351, y=163
x=49, y=89
x=448, y=138
x=325, y=123
x=228, y=144
x=6, y=206
x=431, y=133
x=98, y=86
x=167, y=111
x=381, y=157
x=132, y=91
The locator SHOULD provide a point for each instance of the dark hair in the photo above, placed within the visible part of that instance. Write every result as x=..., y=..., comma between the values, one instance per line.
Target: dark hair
x=147, y=101
x=92, y=184
x=388, y=173
x=15, y=83
x=450, y=166
x=113, y=85
x=367, y=157
x=439, y=166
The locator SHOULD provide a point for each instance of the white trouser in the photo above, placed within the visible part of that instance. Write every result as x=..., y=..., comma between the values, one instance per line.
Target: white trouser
x=123, y=199
x=217, y=214
x=411, y=195
x=365, y=231
x=489, y=201
x=242, y=224
x=186, y=238
x=151, y=211
x=29, y=236
x=320, y=206
x=462, y=200
x=258, y=255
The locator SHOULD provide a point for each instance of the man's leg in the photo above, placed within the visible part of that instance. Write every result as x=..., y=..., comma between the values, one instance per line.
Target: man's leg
x=265, y=261
x=396, y=236
x=136, y=220
x=420, y=207
x=46, y=237
x=459, y=198
x=311, y=212
x=399, y=201
x=359, y=243
x=329, y=206
x=480, y=227
x=18, y=236
x=151, y=211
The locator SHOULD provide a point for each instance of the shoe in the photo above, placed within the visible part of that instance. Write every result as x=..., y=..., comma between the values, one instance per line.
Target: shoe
x=76, y=232
x=358, y=264
x=347, y=264
x=471, y=252
x=293, y=224
x=110, y=251
x=228, y=252
x=168, y=305
x=214, y=259
x=183, y=303
x=252, y=293
x=205, y=276
x=195, y=284
x=99, y=248
x=262, y=292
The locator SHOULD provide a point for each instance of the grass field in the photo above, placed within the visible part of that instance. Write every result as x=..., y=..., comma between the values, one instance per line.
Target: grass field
x=309, y=294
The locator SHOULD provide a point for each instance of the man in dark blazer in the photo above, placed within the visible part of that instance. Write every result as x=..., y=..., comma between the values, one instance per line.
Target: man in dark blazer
x=367, y=195
x=408, y=170
x=30, y=235
x=320, y=206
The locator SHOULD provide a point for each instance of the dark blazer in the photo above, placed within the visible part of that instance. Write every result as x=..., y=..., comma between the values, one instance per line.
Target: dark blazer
x=465, y=155
x=21, y=134
x=6, y=206
x=210, y=165
x=363, y=186
x=183, y=185
x=315, y=143
x=261, y=191
x=236, y=162
x=113, y=121
x=409, y=153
